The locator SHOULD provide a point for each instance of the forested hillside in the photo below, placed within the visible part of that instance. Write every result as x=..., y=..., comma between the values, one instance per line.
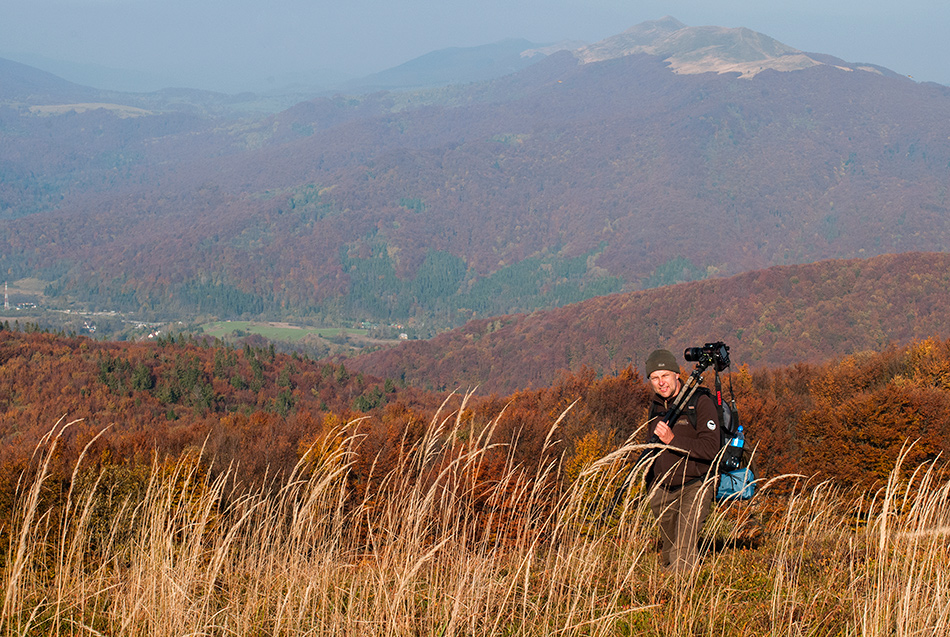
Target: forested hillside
x=777, y=316
x=554, y=184
x=846, y=419
x=247, y=404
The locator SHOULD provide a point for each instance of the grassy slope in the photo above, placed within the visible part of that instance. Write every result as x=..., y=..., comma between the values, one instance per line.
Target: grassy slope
x=171, y=551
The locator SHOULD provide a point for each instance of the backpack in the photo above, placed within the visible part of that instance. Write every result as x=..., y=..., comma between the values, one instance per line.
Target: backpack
x=735, y=477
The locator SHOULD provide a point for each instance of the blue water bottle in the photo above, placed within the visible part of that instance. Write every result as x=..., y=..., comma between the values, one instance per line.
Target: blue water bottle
x=739, y=440
x=733, y=454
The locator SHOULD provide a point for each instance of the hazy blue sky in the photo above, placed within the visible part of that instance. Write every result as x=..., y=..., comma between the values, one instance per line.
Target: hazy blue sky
x=234, y=44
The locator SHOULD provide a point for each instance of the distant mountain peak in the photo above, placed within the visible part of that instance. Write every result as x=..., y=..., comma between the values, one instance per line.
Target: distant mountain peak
x=549, y=49
x=652, y=30
x=691, y=50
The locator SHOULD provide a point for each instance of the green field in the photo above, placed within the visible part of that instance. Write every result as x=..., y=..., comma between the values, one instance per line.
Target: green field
x=275, y=332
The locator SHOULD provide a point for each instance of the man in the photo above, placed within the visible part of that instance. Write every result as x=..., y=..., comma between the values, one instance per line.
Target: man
x=681, y=496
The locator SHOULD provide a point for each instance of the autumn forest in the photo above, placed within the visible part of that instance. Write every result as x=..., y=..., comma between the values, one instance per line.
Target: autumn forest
x=846, y=419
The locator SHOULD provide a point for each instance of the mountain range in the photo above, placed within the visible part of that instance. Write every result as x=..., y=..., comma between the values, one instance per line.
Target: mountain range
x=663, y=154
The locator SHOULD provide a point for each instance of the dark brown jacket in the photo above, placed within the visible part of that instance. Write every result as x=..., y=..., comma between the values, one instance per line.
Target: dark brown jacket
x=689, y=455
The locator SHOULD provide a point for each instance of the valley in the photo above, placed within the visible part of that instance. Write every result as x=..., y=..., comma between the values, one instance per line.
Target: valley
x=617, y=169
x=26, y=304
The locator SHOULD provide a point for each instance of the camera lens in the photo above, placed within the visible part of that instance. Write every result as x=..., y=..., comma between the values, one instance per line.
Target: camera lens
x=693, y=354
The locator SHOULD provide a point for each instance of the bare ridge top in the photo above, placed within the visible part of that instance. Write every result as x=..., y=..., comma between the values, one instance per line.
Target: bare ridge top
x=691, y=50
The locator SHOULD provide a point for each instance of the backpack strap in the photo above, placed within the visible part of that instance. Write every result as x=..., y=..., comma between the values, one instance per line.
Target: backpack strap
x=689, y=413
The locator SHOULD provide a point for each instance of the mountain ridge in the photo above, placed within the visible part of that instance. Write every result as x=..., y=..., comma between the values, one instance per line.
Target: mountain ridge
x=779, y=316
x=454, y=65
x=690, y=50
x=687, y=49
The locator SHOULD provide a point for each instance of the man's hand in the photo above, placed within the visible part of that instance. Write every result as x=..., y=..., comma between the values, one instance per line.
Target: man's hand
x=664, y=433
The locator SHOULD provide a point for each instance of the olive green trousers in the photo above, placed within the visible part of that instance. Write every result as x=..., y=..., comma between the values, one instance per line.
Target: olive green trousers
x=680, y=515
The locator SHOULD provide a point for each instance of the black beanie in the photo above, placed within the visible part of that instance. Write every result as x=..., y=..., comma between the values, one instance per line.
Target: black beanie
x=662, y=359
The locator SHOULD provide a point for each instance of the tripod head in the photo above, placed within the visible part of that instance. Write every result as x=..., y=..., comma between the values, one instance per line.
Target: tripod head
x=711, y=354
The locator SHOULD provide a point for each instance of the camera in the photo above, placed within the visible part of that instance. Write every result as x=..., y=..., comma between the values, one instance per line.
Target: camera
x=711, y=354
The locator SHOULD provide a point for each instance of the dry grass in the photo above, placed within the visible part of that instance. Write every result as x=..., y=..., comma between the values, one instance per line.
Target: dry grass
x=435, y=549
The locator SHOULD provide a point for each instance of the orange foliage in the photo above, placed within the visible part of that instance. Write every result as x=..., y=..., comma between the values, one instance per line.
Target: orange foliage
x=847, y=419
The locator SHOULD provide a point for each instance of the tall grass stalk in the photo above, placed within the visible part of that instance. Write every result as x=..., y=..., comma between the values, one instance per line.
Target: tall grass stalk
x=459, y=539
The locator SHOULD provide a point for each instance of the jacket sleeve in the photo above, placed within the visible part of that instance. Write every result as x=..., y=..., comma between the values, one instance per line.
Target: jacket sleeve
x=703, y=442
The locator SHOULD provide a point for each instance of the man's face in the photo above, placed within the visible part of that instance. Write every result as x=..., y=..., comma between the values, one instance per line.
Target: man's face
x=665, y=383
